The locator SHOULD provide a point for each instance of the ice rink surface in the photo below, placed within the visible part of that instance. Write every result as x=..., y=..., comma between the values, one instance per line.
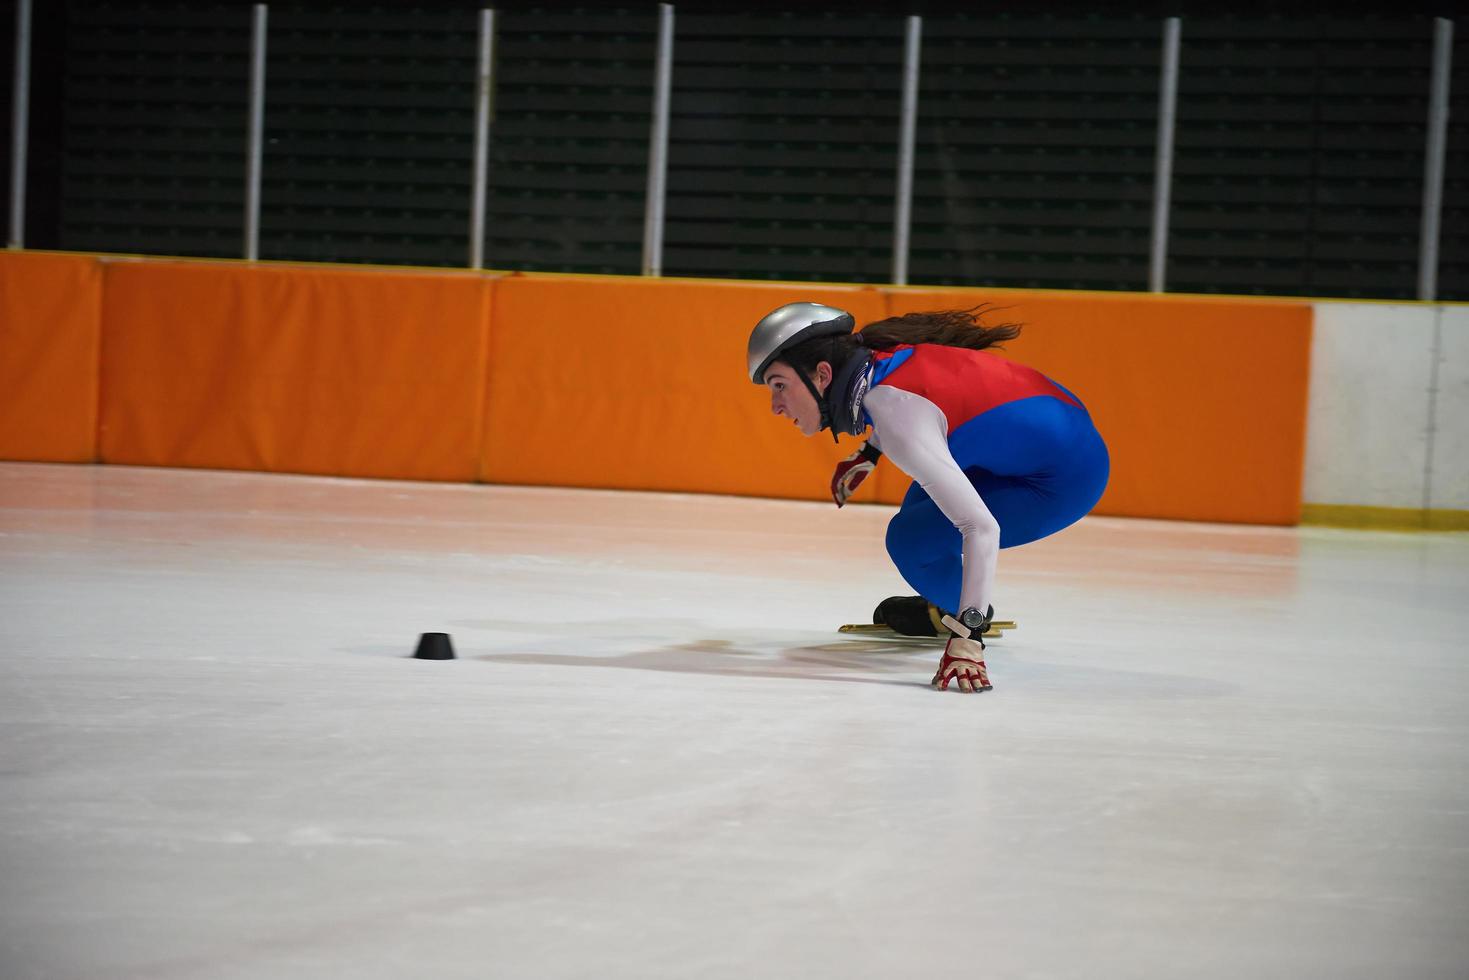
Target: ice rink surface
x=1210, y=751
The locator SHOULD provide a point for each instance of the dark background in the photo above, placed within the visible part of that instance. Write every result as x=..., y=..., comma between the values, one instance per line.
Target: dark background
x=1298, y=166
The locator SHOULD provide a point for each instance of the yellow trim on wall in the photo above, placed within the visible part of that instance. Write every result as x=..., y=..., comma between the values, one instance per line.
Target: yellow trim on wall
x=1384, y=518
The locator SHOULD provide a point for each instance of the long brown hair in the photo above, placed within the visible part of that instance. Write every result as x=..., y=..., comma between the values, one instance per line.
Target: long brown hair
x=951, y=328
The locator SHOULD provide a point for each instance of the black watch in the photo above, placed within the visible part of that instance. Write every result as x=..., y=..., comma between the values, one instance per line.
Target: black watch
x=976, y=621
x=971, y=623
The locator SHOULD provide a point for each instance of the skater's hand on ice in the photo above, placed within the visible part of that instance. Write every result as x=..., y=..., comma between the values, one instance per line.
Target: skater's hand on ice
x=963, y=661
x=852, y=471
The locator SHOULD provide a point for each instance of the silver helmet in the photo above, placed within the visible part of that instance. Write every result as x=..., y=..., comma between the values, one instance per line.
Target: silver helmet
x=784, y=328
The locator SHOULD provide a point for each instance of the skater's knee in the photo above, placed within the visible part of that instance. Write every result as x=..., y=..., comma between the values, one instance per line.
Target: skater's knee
x=894, y=535
x=914, y=545
x=903, y=550
x=904, y=540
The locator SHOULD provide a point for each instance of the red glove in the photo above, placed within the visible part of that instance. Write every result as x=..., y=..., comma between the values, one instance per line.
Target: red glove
x=852, y=471
x=963, y=660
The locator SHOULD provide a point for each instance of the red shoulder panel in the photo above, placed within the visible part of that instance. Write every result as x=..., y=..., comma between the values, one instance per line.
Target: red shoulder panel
x=965, y=383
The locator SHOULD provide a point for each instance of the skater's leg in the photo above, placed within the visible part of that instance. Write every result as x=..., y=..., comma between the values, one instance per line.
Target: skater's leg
x=1038, y=464
x=1030, y=509
x=1070, y=468
x=927, y=549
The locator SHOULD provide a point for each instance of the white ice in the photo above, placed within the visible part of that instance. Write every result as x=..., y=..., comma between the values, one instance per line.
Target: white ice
x=1211, y=752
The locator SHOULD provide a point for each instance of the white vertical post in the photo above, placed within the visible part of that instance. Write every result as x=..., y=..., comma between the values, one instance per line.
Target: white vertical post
x=20, y=123
x=658, y=147
x=1163, y=168
x=257, y=134
x=907, y=129
x=484, y=88
x=1433, y=164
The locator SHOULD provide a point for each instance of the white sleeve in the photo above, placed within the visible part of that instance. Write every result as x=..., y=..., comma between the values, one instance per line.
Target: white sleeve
x=913, y=432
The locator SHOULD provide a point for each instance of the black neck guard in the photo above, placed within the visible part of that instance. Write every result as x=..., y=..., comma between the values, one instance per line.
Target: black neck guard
x=841, y=409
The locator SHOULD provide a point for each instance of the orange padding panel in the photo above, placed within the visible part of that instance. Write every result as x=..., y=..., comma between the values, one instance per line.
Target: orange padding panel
x=305, y=370
x=596, y=381
x=50, y=325
x=637, y=384
x=1202, y=402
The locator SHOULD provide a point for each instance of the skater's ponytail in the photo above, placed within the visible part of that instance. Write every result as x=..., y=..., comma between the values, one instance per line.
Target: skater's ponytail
x=951, y=328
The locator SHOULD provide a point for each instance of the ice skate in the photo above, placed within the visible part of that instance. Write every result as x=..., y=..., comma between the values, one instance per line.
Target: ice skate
x=914, y=618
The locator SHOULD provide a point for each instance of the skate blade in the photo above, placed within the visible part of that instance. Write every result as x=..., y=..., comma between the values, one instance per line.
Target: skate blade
x=998, y=625
x=877, y=631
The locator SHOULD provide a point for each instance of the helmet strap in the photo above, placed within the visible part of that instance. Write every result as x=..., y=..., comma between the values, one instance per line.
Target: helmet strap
x=821, y=401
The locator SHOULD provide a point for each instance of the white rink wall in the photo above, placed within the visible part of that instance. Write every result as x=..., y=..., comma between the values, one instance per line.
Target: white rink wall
x=1388, y=421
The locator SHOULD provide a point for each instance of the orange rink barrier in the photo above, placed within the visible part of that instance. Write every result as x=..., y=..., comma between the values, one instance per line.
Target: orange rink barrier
x=337, y=372
x=639, y=384
x=597, y=381
x=1202, y=402
x=635, y=383
x=50, y=328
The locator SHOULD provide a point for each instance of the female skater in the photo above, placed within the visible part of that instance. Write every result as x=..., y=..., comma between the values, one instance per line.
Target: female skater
x=999, y=454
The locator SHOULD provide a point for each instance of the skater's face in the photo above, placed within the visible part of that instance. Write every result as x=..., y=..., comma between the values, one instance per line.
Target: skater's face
x=791, y=398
